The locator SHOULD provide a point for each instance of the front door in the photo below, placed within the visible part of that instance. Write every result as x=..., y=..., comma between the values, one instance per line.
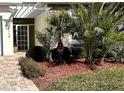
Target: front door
x=22, y=36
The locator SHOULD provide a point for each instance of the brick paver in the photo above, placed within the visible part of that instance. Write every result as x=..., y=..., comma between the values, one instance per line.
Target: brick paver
x=11, y=78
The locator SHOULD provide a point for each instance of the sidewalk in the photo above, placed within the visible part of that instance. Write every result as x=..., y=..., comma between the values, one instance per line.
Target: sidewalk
x=11, y=78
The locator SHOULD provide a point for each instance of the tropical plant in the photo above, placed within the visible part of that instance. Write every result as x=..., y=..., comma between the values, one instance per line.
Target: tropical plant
x=97, y=20
x=63, y=23
x=59, y=24
x=48, y=39
x=113, y=36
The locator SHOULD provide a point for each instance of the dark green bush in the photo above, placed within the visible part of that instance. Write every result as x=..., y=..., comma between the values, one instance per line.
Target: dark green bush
x=99, y=43
x=30, y=68
x=37, y=53
x=98, y=54
x=65, y=55
x=78, y=52
x=109, y=55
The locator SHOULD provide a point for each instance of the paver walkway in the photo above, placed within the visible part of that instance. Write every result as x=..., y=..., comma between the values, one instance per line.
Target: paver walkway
x=11, y=78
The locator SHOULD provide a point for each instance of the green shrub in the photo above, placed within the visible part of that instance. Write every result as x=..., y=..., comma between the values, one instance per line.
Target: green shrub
x=37, y=53
x=56, y=55
x=30, y=68
x=109, y=54
x=99, y=80
x=113, y=36
x=117, y=51
x=78, y=52
x=97, y=54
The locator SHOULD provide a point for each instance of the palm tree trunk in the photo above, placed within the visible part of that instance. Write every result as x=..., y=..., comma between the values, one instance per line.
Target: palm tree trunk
x=87, y=60
x=90, y=48
x=60, y=43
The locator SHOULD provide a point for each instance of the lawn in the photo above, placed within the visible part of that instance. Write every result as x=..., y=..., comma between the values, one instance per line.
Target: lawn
x=104, y=79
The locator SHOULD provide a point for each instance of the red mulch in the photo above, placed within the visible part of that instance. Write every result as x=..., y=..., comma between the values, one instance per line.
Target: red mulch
x=61, y=71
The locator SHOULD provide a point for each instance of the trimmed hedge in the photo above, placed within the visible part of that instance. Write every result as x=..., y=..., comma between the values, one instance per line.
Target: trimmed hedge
x=37, y=53
x=30, y=68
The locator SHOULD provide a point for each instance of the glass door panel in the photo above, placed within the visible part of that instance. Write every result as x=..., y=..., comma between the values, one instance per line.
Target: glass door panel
x=22, y=37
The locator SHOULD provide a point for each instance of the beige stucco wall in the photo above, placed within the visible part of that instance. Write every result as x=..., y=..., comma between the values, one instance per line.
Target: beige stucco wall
x=40, y=24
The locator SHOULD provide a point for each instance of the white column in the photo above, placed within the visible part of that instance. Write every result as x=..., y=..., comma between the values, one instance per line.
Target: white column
x=7, y=39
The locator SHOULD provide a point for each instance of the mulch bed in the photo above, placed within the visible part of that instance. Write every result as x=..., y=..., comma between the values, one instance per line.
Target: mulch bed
x=61, y=71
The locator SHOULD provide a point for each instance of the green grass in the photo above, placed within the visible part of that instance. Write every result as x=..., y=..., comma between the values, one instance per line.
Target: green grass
x=98, y=80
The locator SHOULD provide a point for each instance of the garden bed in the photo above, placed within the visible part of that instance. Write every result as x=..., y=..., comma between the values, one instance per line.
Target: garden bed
x=62, y=71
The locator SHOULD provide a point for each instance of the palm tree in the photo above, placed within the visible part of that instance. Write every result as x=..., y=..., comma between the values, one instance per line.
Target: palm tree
x=63, y=23
x=98, y=19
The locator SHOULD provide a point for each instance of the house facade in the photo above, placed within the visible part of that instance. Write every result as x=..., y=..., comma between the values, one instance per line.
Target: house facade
x=20, y=21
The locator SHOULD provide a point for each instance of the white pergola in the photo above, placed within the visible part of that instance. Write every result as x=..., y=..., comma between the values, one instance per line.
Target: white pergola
x=21, y=10
x=28, y=10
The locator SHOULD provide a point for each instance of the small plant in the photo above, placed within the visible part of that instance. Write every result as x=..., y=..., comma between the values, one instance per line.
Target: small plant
x=30, y=68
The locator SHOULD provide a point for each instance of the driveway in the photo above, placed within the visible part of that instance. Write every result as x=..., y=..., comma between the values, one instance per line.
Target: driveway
x=11, y=78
